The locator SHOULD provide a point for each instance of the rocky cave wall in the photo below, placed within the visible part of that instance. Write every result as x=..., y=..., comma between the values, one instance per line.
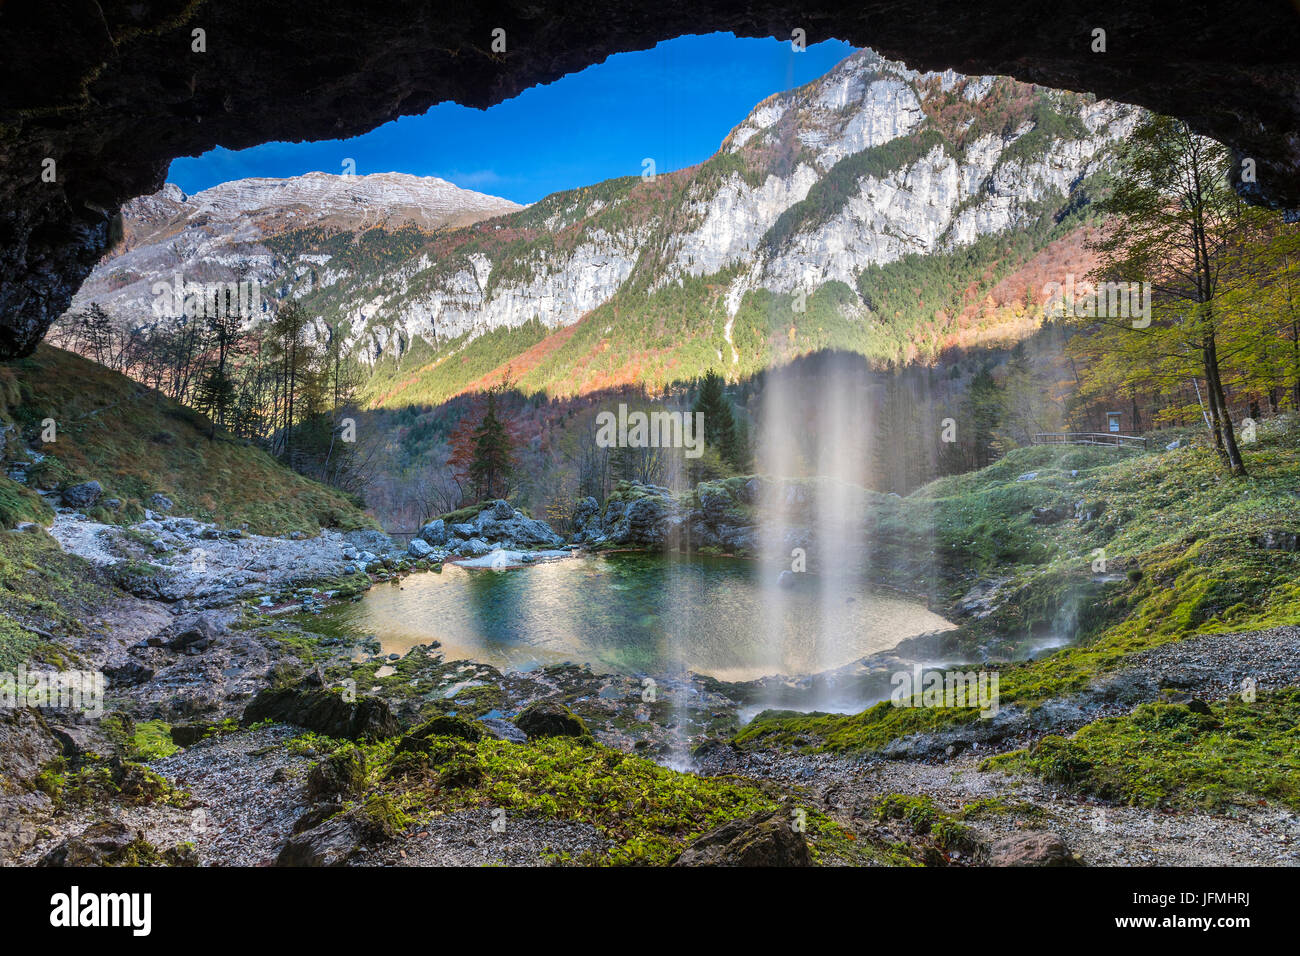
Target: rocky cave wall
x=111, y=92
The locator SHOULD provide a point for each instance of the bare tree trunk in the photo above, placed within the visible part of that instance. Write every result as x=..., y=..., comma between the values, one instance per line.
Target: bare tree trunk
x=1231, y=452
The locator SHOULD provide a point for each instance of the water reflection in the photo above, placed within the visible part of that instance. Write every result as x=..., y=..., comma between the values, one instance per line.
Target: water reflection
x=636, y=614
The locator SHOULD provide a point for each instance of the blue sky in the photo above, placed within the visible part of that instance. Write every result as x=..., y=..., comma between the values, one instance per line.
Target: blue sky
x=674, y=104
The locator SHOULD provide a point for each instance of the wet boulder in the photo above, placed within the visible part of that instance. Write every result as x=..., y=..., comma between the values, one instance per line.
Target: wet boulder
x=503, y=730
x=342, y=836
x=331, y=843
x=419, y=549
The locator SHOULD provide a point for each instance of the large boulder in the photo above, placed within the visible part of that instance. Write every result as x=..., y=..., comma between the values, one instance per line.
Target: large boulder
x=83, y=495
x=434, y=533
x=765, y=839
x=1037, y=848
x=100, y=844
x=502, y=523
x=473, y=548
x=193, y=635
x=714, y=503
x=373, y=542
x=324, y=711
x=643, y=521
x=1278, y=539
x=340, y=837
x=503, y=730
x=419, y=549
x=548, y=718
x=332, y=843
x=584, y=511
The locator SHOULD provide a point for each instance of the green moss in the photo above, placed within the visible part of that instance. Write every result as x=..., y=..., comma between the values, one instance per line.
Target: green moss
x=1170, y=755
x=19, y=503
x=43, y=591
x=94, y=780
x=457, y=727
x=151, y=740
x=927, y=820
x=1192, y=533
x=648, y=812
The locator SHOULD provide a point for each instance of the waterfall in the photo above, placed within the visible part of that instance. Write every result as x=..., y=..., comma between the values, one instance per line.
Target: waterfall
x=811, y=532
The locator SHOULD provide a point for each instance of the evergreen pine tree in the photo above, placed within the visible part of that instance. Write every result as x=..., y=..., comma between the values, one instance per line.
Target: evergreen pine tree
x=985, y=408
x=493, y=461
x=720, y=431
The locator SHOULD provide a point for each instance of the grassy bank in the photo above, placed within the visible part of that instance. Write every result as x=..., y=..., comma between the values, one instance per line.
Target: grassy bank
x=45, y=595
x=136, y=442
x=1212, y=757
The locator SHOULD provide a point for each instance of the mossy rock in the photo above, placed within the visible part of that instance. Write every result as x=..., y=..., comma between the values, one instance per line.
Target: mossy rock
x=458, y=727
x=341, y=774
x=548, y=718
x=325, y=712
x=113, y=843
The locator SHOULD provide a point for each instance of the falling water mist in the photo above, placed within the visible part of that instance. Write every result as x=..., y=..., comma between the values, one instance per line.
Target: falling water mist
x=812, y=534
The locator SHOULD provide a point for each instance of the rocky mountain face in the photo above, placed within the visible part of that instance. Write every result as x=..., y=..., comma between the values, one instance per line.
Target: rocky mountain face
x=220, y=234
x=867, y=165
x=97, y=92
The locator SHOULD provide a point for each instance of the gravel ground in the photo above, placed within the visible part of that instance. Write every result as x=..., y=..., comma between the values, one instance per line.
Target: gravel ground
x=203, y=563
x=1099, y=834
x=246, y=797
x=466, y=838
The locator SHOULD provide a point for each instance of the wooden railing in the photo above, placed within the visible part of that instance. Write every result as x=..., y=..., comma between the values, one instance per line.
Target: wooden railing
x=1091, y=438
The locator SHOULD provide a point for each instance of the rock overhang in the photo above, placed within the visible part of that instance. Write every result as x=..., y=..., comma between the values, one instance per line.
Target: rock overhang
x=112, y=98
